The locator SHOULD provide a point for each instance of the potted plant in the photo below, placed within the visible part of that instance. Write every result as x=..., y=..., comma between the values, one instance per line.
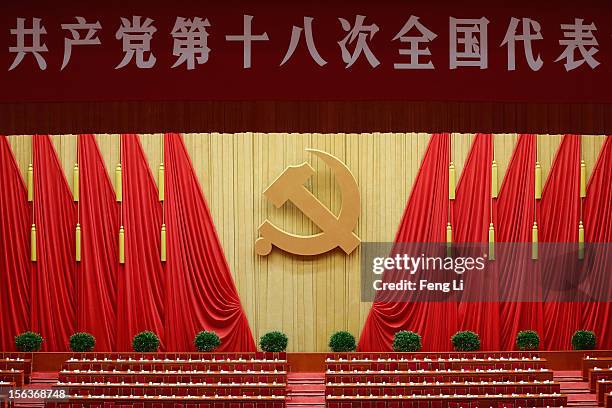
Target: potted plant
x=584, y=340
x=466, y=341
x=28, y=342
x=145, y=342
x=342, y=341
x=206, y=341
x=273, y=341
x=527, y=340
x=407, y=341
x=82, y=342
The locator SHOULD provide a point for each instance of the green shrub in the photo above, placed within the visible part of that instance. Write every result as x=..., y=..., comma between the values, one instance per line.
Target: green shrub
x=273, y=341
x=145, y=342
x=28, y=342
x=82, y=342
x=206, y=341
x=342, y=341
x=527, y=340
x=406, y=341
x=584, y=340
x=466, y=341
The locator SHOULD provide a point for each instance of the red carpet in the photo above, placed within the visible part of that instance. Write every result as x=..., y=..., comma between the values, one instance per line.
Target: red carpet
x=305, y=390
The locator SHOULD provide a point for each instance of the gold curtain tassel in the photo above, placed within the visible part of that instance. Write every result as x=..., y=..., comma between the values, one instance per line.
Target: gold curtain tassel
x=534, y=241
x=494, y=182
x=538, y=181
x=163, y=243
x=161, y=181
x=118, y=183
x=33, y=243
x=121, y=245
x=451, y=181
x=30, y=182
x=583, y=179
x=449, y=239
x=75, y=182
x=580, y=240
x=78, y=242
x=491, y=242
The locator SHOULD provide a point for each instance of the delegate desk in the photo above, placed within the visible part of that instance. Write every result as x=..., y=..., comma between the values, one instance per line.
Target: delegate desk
x=596, y=374
x=4, y=398
x=602, y=388
x=589, y=363
x=444, y=401
x=17, y=364
x=13, y=376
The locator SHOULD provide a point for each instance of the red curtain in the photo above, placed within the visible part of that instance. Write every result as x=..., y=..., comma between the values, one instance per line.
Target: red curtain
x=597, y=316
x=53, y=280
x=471, y=218
x=141, y=280
x=201, y=294
x=424, y=220
x=97, y=271
x=559, y=214
x=15, y=268
x=515, y=209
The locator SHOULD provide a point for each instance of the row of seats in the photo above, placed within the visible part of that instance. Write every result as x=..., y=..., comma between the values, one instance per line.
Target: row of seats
x=13, y=376
x=247, y=356
x=596, y=374
x=403, y=358
x=440, y=376
x=589, y=363
x=169, y=401
x=449, y=401
x=443, y=388
x=177, y=366
x=4, y=387
x=11, y=362
x=436, y=365
x=602, y=388
x=211, y=378
x=263, y=389
x=433, y=355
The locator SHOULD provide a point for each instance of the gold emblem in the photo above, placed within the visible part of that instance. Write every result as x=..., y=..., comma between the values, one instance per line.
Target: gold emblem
x=336, y=231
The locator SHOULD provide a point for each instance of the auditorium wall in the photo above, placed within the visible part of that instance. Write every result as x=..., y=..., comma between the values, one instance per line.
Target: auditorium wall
x=308, y=298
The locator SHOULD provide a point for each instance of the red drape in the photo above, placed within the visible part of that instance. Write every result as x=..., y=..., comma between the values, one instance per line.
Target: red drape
x=515, y=215
x=201, y=294
x=53, y=280
x=597, y=316
x=559, y=214
x=141, y=280
x=424, y=220
x=471, y=218
x=99, y=219
x=15, y=268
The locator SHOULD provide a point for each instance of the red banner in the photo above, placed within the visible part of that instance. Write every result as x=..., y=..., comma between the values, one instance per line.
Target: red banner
x=272, y=50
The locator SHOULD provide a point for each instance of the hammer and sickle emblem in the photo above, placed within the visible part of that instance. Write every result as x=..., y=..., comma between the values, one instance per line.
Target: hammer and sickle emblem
x=336, y=230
